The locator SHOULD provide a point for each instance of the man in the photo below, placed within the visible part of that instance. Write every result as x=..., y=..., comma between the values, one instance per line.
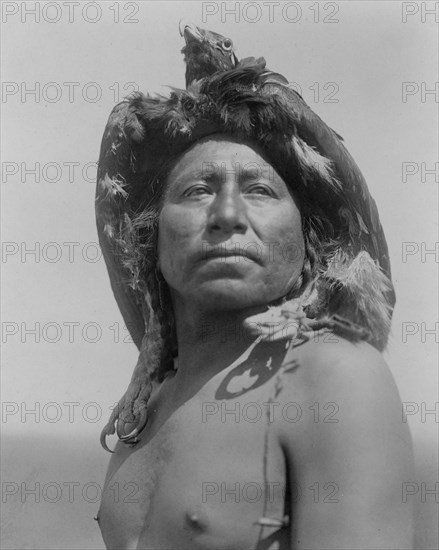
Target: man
x=271, y=419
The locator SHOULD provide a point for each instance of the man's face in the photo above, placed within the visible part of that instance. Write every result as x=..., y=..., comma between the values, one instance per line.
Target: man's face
x=230, y=232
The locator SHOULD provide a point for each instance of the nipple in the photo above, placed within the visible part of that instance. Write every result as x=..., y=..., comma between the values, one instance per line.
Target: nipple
x=197, y=520
x=273, y=522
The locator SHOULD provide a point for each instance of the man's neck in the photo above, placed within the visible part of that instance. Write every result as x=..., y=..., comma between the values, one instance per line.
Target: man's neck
x=209, y=341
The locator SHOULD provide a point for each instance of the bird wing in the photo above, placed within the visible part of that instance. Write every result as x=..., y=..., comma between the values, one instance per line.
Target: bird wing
x=116, y=174
x=359, y=207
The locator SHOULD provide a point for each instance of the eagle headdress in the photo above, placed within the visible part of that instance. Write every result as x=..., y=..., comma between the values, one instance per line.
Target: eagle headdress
x=345, y=283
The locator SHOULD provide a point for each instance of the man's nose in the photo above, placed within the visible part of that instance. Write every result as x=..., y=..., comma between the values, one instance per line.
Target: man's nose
x=228, y=213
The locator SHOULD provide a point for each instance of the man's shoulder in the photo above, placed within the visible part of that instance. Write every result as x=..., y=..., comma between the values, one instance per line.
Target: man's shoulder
x=350, y=381
x=345, y=418
x=325, y=362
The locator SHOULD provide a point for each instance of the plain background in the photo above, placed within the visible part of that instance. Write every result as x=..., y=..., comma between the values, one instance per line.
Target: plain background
x=369, y=53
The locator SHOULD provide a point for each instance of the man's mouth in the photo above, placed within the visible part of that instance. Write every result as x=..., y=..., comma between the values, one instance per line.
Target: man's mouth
x=230, y=252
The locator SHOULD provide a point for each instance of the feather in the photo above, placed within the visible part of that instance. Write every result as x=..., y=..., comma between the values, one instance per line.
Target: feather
x=315, y=165
x=357, y=289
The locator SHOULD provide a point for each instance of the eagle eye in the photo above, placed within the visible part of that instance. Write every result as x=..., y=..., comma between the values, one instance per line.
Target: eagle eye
x=227, y=44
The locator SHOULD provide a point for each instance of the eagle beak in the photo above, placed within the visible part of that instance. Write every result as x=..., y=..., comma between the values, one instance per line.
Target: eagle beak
x=189, y=31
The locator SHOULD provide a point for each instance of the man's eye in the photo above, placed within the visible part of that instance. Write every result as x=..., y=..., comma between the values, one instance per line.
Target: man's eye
x=198, y=190
x=260, y=190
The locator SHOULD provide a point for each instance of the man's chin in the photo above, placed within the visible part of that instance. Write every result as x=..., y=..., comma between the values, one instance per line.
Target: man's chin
x=230, y=295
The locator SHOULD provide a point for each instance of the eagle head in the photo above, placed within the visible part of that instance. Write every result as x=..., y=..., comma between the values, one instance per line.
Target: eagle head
x=205, y=52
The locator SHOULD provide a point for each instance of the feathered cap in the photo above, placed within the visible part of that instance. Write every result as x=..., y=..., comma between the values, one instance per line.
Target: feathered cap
x=346, y=282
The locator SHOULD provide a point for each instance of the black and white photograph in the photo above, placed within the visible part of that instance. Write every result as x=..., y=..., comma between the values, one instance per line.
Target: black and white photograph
x=219, y=256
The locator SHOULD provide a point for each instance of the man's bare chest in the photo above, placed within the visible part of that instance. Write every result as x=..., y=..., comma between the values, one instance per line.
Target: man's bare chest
x=203, y=480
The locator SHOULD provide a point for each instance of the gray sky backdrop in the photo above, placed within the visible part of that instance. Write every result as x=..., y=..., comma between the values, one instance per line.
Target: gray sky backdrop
x=350, y=59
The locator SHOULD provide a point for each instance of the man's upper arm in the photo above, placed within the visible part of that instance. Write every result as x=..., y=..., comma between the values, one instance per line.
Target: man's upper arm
x=350, y=453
